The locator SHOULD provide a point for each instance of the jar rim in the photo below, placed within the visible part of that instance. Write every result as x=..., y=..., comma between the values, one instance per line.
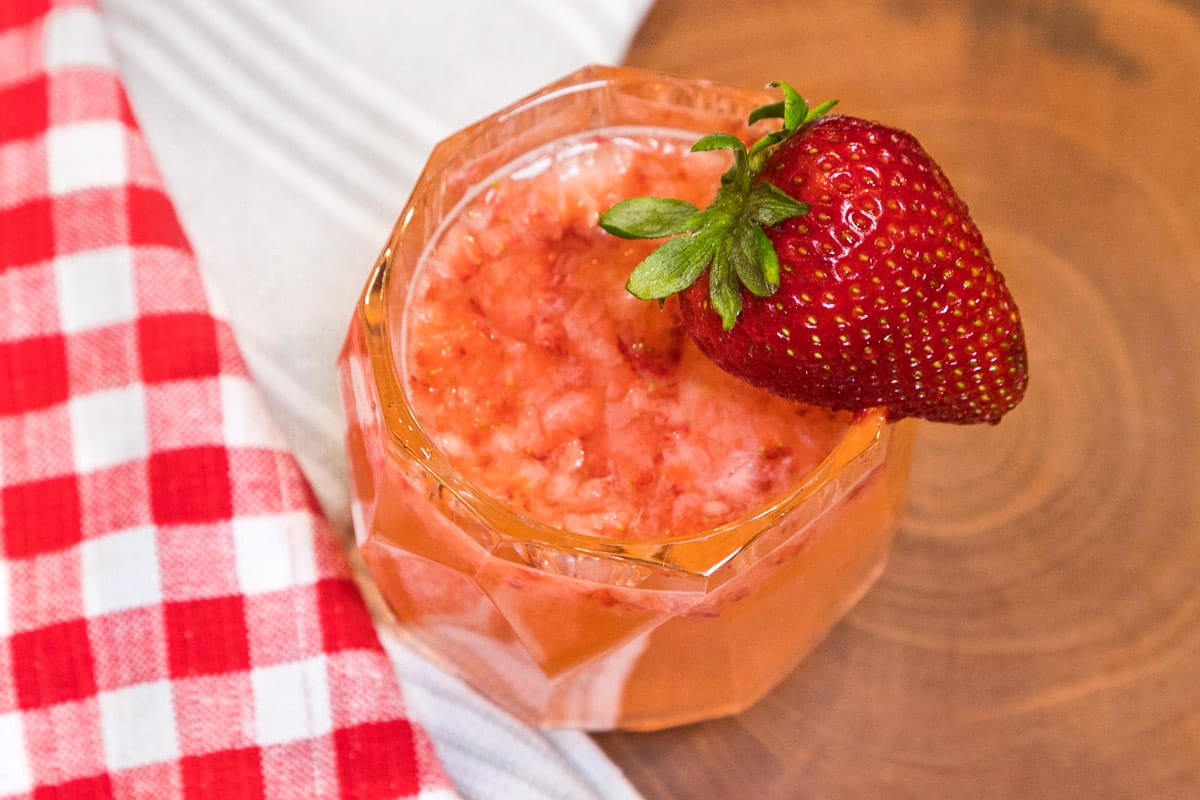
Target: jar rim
x=700, y=551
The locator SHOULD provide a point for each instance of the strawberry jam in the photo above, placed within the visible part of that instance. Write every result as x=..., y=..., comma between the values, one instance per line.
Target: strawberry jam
x=553, y=389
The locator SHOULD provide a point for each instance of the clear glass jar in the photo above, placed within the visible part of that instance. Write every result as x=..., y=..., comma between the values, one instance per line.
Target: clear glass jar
x=564, y=628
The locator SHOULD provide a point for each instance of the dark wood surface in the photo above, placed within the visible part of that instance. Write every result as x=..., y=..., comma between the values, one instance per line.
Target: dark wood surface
x=1037, y=632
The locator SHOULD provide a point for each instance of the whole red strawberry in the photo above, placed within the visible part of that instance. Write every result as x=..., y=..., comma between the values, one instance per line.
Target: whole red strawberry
x=837, y=266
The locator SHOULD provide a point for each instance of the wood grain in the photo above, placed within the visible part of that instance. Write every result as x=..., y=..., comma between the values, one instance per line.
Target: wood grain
x=1037, y=633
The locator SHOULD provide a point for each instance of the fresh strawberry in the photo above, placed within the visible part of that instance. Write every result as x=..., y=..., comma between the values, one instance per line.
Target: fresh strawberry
x=837, y=266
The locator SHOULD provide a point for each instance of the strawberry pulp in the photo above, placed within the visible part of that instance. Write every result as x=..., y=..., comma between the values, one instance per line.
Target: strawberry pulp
x=558, y=392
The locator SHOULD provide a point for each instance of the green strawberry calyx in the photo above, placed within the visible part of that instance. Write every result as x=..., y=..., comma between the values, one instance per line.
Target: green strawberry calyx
x=727, y=238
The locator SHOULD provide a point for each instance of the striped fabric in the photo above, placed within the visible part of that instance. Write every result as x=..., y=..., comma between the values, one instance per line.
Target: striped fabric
x=289, y=133
x=318, y=117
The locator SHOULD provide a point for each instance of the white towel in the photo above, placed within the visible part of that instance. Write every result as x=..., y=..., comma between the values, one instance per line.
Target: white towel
x=289, y=133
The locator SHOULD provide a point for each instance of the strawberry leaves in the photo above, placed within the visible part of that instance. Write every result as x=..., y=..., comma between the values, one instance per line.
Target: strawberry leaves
x=651, y=218
x=671, y=268
x=794, y=112
x=727, y=238
x=770, y=205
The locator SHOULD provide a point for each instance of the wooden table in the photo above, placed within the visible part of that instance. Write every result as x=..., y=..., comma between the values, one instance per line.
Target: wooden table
x=1037, y=634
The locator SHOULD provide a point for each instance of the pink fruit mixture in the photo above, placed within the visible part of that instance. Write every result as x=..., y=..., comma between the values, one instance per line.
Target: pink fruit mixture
x=550, y=386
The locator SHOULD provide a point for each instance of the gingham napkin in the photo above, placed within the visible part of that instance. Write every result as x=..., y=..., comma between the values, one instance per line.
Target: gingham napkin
x=176, y=619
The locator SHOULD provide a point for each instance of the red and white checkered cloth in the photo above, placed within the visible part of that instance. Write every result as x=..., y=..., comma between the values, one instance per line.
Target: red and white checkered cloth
x=176, y=617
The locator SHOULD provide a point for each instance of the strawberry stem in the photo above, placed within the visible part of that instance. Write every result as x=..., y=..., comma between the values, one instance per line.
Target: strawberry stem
x=727, y=238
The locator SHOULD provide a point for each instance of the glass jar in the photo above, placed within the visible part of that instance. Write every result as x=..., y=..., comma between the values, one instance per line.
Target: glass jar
x=564, y=628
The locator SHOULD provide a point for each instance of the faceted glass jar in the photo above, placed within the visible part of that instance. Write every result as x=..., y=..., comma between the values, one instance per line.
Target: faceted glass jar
x=564, y=628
